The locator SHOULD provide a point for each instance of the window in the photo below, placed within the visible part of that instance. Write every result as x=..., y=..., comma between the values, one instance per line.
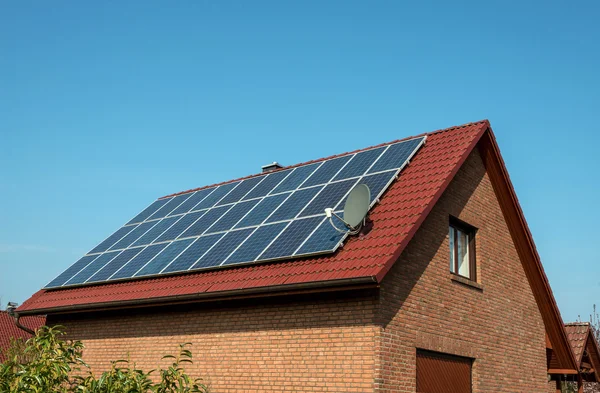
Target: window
x=462, y=249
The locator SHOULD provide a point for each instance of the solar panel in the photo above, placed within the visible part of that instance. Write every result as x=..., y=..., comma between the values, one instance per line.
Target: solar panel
x=262, y=218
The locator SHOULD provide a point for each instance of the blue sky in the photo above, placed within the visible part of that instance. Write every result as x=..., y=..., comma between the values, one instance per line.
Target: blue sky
x=105, y=106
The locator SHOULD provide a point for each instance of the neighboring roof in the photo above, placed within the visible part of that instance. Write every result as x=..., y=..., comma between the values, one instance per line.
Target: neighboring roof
x=578, y=332
x=582, y=339
x=363, y=259
x=9, y=330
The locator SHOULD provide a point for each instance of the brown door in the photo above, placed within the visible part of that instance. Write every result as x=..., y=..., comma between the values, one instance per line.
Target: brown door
x=441, y=373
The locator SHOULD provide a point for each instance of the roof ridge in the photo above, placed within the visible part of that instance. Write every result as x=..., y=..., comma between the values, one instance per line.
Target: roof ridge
x=577, y=324
x=484, y=121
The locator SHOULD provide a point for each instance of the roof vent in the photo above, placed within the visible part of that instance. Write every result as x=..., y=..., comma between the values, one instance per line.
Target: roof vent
x=271, y=167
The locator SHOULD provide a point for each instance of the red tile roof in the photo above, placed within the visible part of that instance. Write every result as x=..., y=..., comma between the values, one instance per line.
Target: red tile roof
x=577, y=333
x=582, y=340
x=396, y=218
x=8, y=329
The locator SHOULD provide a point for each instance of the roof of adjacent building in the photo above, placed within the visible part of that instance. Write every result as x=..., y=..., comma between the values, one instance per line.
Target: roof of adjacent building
x=583, y=342
x=578, y=332
x=9, y=330
x=362, y=260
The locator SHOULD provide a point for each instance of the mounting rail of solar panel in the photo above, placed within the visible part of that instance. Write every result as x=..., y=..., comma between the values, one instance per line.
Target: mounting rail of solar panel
x=268, y=217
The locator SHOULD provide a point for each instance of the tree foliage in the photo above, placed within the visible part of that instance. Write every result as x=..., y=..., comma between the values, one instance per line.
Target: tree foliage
x=595, y=322
x=48, y=364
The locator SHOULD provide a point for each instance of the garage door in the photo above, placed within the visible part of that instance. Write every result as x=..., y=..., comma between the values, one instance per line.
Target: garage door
x=441, y=373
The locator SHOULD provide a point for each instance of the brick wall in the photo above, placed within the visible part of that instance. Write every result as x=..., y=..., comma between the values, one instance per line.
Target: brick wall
x=310, y=344
x=420, y=306
x=357, y=341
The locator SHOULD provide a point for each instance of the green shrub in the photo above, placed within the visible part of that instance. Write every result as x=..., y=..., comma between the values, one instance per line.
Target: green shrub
x=48, y=364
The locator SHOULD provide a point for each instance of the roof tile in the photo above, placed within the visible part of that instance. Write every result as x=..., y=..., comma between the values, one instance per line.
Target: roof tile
x=577, y=332
x=9, y=330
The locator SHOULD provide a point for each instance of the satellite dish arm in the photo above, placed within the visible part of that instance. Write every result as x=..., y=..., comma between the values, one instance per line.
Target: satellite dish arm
x=330, y=213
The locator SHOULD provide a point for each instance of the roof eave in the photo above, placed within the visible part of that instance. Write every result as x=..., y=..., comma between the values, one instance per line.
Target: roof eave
x=391, y=260
x=591, y=341
x=526, y=249
x=280, y=290
x=521, y=235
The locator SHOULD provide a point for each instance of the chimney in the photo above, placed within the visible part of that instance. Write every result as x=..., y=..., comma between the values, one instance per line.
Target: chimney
x=271, y=167
x=11, y=307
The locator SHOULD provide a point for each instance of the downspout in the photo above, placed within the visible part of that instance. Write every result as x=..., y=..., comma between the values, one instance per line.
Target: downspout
x=12, y=311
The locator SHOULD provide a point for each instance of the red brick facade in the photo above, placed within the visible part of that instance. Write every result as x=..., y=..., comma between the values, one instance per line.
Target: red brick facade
x=357, y=341
x=421, y=306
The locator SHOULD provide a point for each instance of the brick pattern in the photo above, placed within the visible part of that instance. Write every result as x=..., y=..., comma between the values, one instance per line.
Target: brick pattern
x=420, y=306
x=320, y=345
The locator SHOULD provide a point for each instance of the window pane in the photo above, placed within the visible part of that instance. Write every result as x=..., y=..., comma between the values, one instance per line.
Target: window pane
x=452, y=250
x=463, y=254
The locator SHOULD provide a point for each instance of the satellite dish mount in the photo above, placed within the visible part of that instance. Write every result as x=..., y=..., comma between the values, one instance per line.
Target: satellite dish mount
x=355, y=210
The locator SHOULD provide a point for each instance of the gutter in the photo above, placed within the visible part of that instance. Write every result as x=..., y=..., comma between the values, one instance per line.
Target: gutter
x=280, y=290
x=12, y=311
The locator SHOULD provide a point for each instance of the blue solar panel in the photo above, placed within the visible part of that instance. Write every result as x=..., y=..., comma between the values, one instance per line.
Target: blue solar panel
x=267, y=184
x=294, y=204
x=132, y=236
x=222, y=249
x=326, y=171
x=291, y=238
x=256, y=243
x=148, y=211
x=297, y=177
x=112, y=239
x=242, y=189
x=92, y=268
x=110, y=268
x=164, y=258
x=359, y=164
x=229, y=219
x=156, y=231
x=177, y=229
x=215, y=196
x=193, y=253
x=396, y=155
x=330, y=196
x=168, y=207
x=72, y=270
x=325, y=238
x=265, y=217
x=204, y=222
x=192, y=201
x=376, y=183
x=129, y=269
x=262, y=210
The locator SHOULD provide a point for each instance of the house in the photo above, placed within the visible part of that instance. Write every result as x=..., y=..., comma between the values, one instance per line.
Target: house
x=587, y=353
x=442, y=288
x=9, y=330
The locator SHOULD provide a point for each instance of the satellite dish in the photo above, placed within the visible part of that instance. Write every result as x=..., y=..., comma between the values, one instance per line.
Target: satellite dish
x=355, y=210
x=357, y=205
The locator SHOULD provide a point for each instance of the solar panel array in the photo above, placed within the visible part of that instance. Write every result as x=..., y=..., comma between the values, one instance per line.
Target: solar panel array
x=267, y=217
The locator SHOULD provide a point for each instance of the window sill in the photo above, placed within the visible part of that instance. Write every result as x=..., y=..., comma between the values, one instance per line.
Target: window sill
x=466, y=281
